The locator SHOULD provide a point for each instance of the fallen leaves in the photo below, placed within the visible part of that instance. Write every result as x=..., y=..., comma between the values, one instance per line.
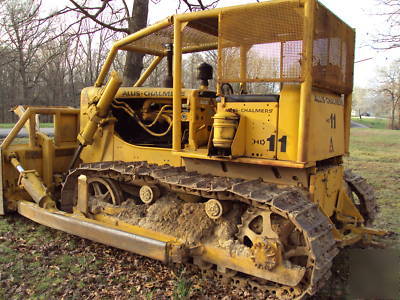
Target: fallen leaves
x=41, y=262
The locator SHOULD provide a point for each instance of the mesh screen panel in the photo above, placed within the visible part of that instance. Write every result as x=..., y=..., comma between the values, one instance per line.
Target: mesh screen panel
x=156, y=40
x=270, y=38
x=333, y=52
x=271, y=34
x=190, y=37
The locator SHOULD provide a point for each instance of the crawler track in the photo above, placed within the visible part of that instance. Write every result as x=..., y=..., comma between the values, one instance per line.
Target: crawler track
x=365, y=193
x=290, y=203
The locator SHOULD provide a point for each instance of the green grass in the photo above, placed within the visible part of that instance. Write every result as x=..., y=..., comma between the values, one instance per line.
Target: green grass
x=37, y=262
x=183, y=287
x=375, y=123
x=11, y=125
x=375, y=155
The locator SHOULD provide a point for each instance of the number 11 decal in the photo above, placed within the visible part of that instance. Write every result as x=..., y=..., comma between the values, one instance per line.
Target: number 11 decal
x=333, y=120
x=283, y=141
x=271, y=141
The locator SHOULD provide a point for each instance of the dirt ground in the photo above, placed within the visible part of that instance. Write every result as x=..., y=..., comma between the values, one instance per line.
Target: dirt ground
x=183, y=220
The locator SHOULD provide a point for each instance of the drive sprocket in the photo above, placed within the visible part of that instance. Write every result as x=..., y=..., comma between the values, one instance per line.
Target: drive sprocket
x=272, y=237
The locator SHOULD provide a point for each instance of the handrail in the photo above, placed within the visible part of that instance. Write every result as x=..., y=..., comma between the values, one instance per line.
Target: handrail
x=29, y=112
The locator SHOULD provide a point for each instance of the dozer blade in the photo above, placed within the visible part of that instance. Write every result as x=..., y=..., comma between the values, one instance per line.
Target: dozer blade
x=166, y=251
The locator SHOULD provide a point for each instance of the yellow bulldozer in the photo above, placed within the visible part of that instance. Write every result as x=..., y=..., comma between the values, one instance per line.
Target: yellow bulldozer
x=246, y=182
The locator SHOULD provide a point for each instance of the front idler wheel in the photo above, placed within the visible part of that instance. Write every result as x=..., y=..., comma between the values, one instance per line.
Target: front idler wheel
x=105, y=190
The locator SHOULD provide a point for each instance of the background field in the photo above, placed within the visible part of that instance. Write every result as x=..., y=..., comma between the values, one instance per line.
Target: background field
x=38, y=262
x=376, y=123
x=11, y=125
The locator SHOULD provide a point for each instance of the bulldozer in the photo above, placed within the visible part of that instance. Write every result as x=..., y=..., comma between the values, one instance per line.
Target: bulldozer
x=245, y=182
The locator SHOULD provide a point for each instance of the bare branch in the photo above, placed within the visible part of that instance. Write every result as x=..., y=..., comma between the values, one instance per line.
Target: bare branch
x=95, y=19
x=390, y=9
x=199, y=5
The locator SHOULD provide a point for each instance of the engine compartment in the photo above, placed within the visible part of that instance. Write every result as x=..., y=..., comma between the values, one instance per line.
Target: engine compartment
x=144, y=122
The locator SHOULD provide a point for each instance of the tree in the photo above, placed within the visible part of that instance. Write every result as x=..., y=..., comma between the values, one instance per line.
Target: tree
x=390, y=38
x=389, y=86
x=8, y=77
x=115, y=16
x=48, y=59
x=126, y=20
x=24, y=34
x=197, y=5
x=359, y=101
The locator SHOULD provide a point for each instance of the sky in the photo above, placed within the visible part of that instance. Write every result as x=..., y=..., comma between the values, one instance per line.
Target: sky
x=359, y=14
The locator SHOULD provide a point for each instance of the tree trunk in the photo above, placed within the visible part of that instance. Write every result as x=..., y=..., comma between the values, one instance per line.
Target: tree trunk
x=398, y=109
x=393, y=116
x=134, y=61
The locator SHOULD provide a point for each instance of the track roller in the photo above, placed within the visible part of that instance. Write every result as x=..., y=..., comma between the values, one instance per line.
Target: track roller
x=149, y=193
